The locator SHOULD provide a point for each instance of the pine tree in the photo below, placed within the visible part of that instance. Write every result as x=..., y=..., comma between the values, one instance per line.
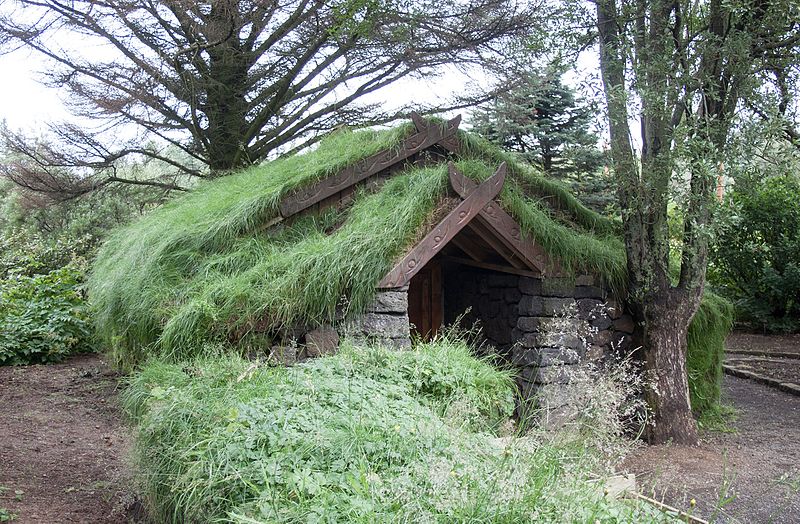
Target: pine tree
x=541, y=119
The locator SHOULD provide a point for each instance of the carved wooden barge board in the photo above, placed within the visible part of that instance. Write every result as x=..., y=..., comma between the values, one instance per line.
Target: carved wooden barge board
x=351, y=175
x=491, y=267
x=449, y=143
x=507, y=229
x=496, y=242
x=445, y=230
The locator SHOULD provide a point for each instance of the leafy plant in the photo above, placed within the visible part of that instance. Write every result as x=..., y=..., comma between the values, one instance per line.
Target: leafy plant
x=368, y=435
x=43, y=318
x=757, y=258
x=23, y=253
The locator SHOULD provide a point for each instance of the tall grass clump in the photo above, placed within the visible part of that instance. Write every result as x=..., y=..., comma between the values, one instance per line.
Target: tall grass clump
x=706, y=351
x=169, y=303
x=369, y=435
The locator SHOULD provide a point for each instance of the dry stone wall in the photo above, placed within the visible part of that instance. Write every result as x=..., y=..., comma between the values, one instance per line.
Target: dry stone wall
x=543, y=327
x=385, y=321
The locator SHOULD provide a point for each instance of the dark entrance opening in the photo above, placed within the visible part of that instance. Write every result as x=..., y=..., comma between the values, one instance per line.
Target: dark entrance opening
x=484, y=298
x=425, y=303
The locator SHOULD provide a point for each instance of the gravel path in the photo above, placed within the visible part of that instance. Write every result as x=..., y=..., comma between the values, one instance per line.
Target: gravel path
x=750, y=476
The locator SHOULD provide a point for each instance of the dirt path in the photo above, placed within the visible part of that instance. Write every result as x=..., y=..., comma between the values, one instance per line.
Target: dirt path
x=753, y=474
x=63, y=444
x=63, y=449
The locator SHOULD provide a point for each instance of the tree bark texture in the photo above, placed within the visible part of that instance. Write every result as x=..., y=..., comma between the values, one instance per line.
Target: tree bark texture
x=667, y=326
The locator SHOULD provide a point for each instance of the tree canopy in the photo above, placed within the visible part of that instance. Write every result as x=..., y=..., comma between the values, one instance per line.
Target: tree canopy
x=541, y=118
x=685, y=69
x=229, y=83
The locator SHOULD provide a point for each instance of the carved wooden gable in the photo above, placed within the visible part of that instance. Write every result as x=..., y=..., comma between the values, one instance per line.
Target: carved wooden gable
x=479, y=228
x=477, y=232
x=338, y=187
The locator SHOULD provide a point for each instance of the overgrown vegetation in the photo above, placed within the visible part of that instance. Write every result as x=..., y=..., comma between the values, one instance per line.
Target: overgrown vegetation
x=203, y=267
x=706, y=351
x=368, y=435
x=756, y=261
x=43, y=318
x=43, y=312
x=45, y=249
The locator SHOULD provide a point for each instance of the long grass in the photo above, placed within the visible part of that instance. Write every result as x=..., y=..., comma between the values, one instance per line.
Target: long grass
x=369, y=435
x=202, y=268
x=706, y=351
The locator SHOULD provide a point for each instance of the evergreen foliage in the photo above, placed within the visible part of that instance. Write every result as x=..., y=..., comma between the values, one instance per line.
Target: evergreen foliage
x=756, y=261
x=540, y=119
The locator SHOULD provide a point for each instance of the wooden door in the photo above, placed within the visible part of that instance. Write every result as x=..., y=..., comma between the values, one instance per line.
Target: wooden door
x=425, y=304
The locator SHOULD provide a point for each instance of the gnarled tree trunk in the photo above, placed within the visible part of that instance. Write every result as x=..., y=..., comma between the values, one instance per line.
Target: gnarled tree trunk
x=667, y=326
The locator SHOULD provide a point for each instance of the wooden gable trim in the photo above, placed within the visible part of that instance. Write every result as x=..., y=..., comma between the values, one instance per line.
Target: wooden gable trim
x=507, y=229
x=491, y=267
x=424, y=138
x=450, y=143
x=443, y=233
x=493, y=240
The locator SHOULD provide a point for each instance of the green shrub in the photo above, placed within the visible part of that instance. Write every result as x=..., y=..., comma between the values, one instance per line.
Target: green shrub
x=756, y=262
x=368, y=435
x=42, y=317
x=28, y=254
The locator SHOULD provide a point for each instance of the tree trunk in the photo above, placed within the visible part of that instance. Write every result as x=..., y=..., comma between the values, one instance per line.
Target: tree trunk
x=226, y=84
x=667, y=327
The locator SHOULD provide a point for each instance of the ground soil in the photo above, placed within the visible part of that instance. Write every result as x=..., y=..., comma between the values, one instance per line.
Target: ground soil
x=64, y=445
x=741, y=341
x=780, y=369
x=749, y=475
x=776, y=356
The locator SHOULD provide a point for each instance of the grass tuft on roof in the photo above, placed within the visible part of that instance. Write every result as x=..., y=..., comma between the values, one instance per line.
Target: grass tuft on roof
x=203, y=268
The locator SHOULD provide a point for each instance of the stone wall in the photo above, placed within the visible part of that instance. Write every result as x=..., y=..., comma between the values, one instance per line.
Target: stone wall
x=541, y=326
x=487, y=299
x=385, y=321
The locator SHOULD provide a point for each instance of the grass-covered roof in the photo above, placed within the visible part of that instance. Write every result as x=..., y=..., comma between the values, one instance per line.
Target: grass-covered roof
x=204, y=267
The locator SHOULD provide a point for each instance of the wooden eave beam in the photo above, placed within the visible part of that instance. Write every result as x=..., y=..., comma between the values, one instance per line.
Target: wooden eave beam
x=492, y=239
x=470, y=247
x=445, y=230
x=306, y=197
x=491, y=267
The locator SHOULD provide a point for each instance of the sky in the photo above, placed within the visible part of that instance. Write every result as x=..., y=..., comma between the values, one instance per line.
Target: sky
x=28, y=106
x=24, y=102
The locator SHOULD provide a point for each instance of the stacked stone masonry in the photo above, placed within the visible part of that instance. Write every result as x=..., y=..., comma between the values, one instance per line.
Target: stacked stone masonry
x=541, y=326
x=385, y=321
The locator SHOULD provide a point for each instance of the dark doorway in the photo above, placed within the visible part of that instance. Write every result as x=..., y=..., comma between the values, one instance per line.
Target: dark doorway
x=425, y=304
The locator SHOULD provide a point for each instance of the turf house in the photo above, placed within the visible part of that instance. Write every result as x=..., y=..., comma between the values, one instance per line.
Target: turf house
x=390, y=236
